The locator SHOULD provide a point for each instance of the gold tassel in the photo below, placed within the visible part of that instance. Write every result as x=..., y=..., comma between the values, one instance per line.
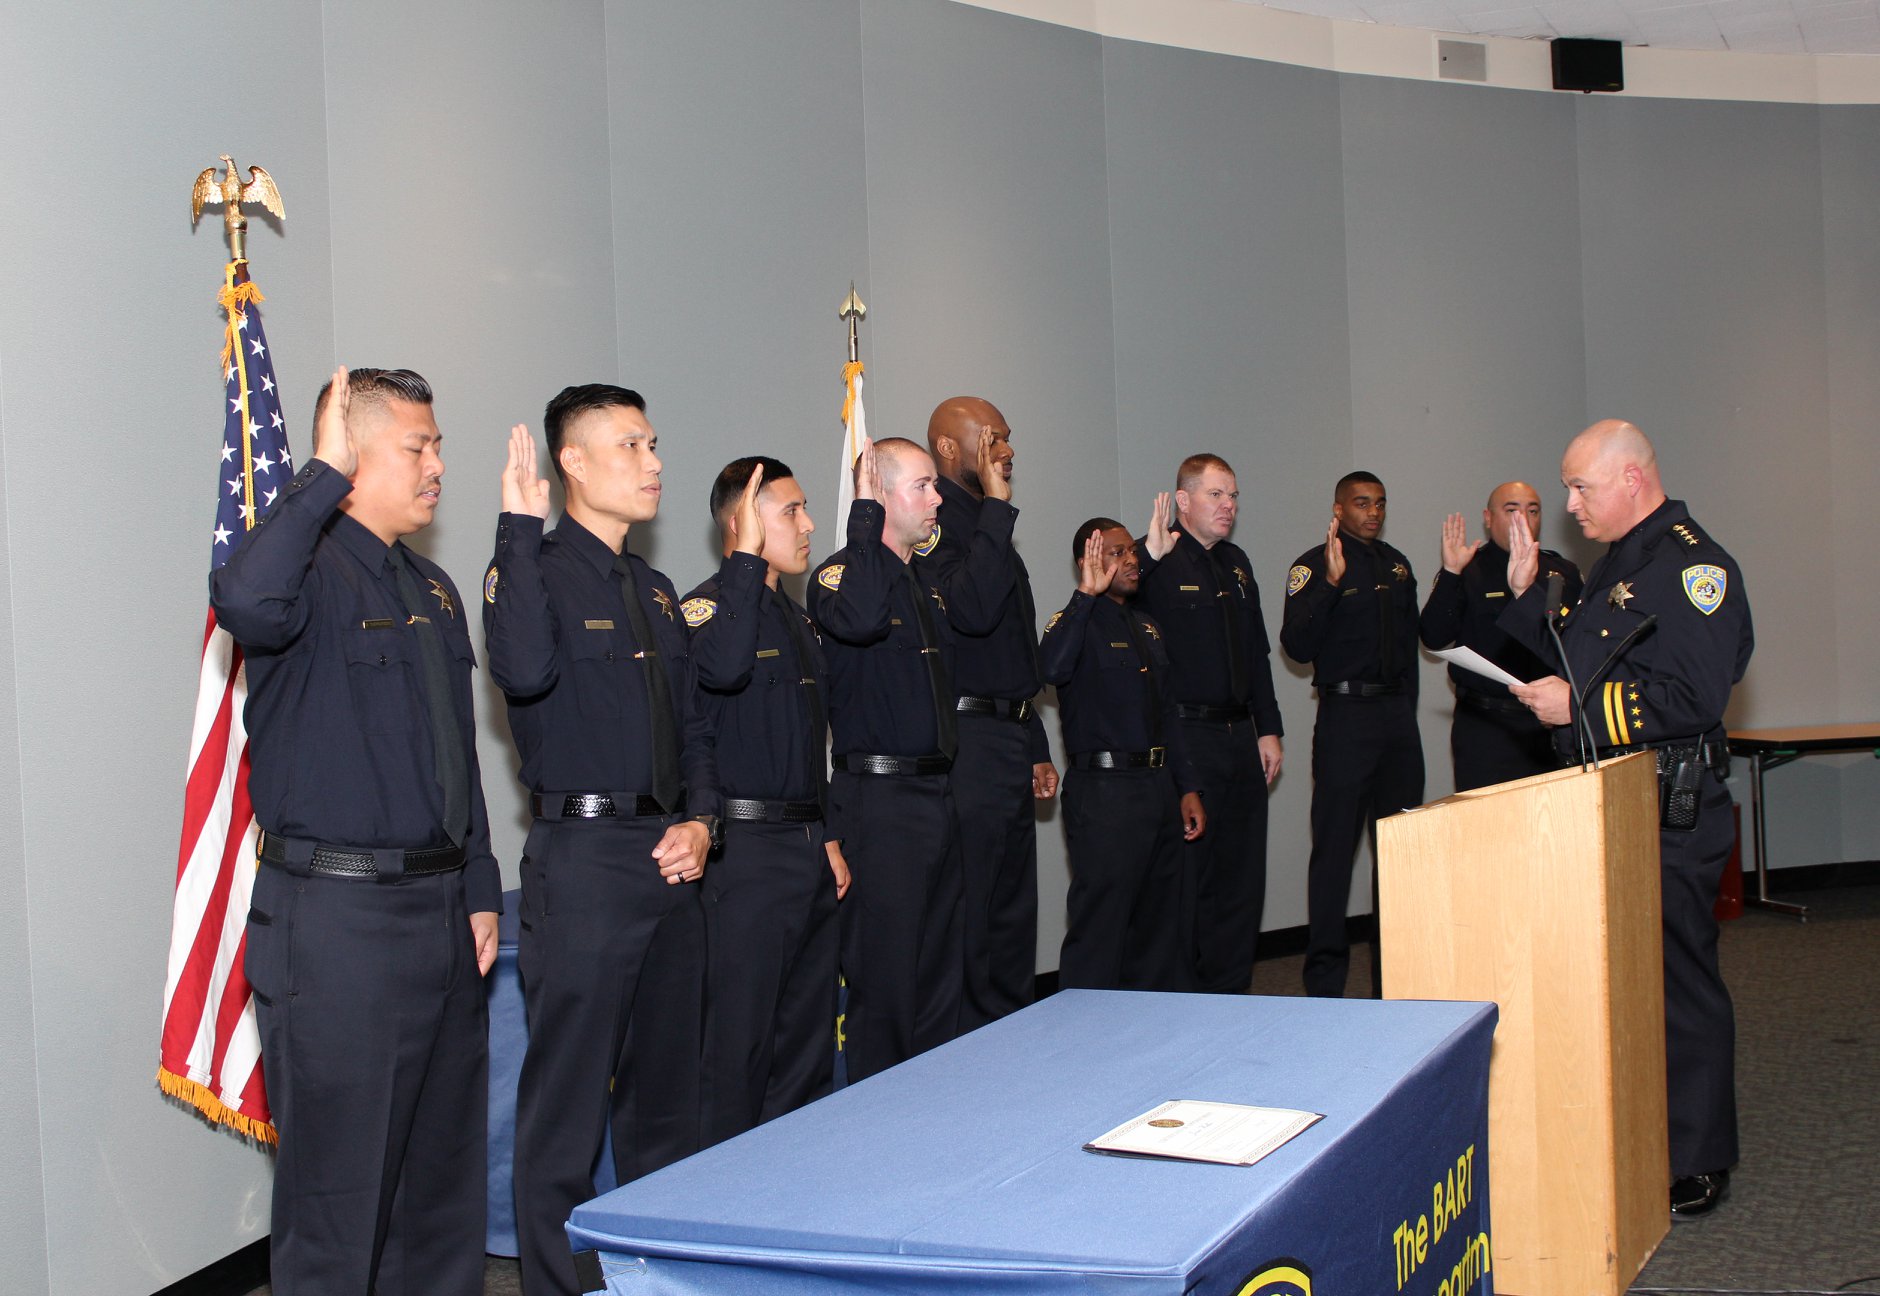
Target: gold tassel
x=212, y=1108
x=850, y=372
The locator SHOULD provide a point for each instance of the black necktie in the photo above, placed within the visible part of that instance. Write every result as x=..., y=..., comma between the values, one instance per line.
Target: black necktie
x=1230, y=617
x=453, y=769
x=806, y=675
x=1389, y=664
x=664, y=732
x=946, y=725
x=1151, y=690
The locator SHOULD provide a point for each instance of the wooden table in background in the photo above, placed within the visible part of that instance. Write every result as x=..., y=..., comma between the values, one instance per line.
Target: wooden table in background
x=1768, y=748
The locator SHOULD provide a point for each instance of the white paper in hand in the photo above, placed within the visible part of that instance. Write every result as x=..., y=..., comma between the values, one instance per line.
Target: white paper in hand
x=1471, y=660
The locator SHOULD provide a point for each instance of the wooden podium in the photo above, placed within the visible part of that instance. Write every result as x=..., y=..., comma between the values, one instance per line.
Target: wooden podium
x=1543, y=896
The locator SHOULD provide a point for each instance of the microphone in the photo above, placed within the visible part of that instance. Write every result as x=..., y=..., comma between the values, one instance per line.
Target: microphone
x=1576, y=715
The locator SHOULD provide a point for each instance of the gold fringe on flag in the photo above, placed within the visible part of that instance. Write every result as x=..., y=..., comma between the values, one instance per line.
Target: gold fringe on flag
x=203, y=1099
x=234, y=298
x=850, y=372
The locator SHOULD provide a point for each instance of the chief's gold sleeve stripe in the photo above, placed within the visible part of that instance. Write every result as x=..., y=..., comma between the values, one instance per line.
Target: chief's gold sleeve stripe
x=1615, y=724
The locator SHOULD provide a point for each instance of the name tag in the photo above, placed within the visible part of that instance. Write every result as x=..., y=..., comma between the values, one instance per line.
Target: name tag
x=1119, y=645
x=894, y=620
x=598, y=625
x=1496, y=594
x=415, y=619
x=378, y=623
x=1190, y=589
x=766, y=652
x=1348, y=593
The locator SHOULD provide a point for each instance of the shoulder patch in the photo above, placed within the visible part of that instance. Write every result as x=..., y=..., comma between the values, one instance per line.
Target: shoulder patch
x=1296, y=579
x=698, y=610
x=830, y=577
x=1705, y=585
x=1051, y=625
x=932, y=542
x=490, y=584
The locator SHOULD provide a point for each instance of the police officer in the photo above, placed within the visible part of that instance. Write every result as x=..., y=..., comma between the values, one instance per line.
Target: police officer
x=889, y=648
x=1004, y=760
x=1198, y=586
x=374, y=910
x=1494, y=737
x=585, y=642
x=1351, y=611
x=770, y=897
x=1657, y=640
x=1130, y=796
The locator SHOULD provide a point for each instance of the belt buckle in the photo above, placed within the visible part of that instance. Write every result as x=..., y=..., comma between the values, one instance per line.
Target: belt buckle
x=1158, y=757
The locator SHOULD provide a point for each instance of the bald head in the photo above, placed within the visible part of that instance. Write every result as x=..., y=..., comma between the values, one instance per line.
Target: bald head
x=1506, y=502
x=910, y=504
x=1611, y=474
x=954, y=431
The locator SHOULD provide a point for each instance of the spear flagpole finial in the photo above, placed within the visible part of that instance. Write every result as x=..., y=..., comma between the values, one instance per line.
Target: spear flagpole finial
x=854, y=312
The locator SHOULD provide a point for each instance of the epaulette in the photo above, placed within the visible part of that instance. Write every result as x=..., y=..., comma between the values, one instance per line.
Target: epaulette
x=1687, y=532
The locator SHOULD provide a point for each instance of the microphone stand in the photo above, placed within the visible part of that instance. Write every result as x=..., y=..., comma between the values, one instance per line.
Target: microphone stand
x=1576, y=703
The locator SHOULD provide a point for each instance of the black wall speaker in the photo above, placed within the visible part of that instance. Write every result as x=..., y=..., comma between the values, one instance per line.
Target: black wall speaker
x=1587, y=65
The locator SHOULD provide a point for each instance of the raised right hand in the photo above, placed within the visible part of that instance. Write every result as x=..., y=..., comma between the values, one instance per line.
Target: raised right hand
x=1095, y=569
x=1160, y=537
x=747, y=527
x=1456, y=547
x=523, y=491
x=1524, y=558
x=1334, y=554
x=867, y=472
x=332, y=439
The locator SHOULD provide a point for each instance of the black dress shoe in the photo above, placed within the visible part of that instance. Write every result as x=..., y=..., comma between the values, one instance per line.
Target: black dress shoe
x=1693, y=1195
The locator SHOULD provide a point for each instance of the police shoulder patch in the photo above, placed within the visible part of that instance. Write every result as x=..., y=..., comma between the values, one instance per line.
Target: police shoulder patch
x=698, y=610
x=1296, y=579
x=830, y=577
x=932, y=542
x=1705, y=585
x=490, y=583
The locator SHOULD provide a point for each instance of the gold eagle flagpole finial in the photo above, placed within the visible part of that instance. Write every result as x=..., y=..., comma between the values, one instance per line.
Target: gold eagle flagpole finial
x=231, y=193
x=854, y=312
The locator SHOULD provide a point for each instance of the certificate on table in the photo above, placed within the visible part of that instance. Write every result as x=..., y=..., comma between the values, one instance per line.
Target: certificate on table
x=1471, y=660
x=1185, y=1129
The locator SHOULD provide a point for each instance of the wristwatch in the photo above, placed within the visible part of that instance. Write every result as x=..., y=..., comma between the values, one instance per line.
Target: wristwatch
x=716, y=827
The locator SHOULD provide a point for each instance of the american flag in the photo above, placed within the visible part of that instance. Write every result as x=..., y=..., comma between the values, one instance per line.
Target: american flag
x=211, y=1050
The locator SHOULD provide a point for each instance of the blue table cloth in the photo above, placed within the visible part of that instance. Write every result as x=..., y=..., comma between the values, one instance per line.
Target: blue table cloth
x=963, y=1170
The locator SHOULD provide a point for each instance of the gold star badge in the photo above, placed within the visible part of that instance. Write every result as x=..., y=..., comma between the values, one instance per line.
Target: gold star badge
x=1620, y=596
x=665, y=602
x=1403, y=572
x=444, y=600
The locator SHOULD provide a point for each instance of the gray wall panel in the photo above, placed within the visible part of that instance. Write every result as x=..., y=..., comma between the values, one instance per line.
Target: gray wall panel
x=1466, y=362
x=472, y=241
x=989, y=259
x=737, y=233
x=1228, y=258
x=1705, y=324
x=110, y=333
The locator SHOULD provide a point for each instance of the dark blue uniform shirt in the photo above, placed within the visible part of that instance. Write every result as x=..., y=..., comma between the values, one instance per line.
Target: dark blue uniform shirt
x=340, y=744
x=1103, y=684
x=562, y=650
x=753, y=688
x=975, y=560
x=1361, y=630
x=1672, y=682
x=1463, y=607
x=1190, y=593
x=880, y=696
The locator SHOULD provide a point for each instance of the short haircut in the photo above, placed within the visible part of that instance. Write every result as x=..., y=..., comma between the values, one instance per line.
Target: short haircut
x=1089, y=529
x=896, y=447
x=572, y=402
x=736, y=475
x=1189, y=474
x=1353, y=479
x=374, y=387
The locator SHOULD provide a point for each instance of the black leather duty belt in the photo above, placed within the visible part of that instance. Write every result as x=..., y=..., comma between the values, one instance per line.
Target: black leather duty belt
x=599, y=805
x=1212, y=714
x=1492, y=705
x=1352, y=688
x=1154, y=758
x=1712, y=753
x=335, y=862
x=1003, y=708
x=859, y=764
x=788, y=812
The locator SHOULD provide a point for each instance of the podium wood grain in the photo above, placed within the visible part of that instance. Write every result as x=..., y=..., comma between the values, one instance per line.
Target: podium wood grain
x=1542, y=895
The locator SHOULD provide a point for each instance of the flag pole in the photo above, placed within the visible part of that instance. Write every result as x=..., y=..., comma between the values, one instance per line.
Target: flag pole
x=854, y=418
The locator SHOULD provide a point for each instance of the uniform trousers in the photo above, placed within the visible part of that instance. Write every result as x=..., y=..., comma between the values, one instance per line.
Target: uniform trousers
x=1124, y=915
x=612, y=961
x=1700, y=1024
x=375, y=1044
x=1227, y=864
x=901, y=919
x=770, y=1016
x=999, y=856
x=1367, y=761
x=1489, y=747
